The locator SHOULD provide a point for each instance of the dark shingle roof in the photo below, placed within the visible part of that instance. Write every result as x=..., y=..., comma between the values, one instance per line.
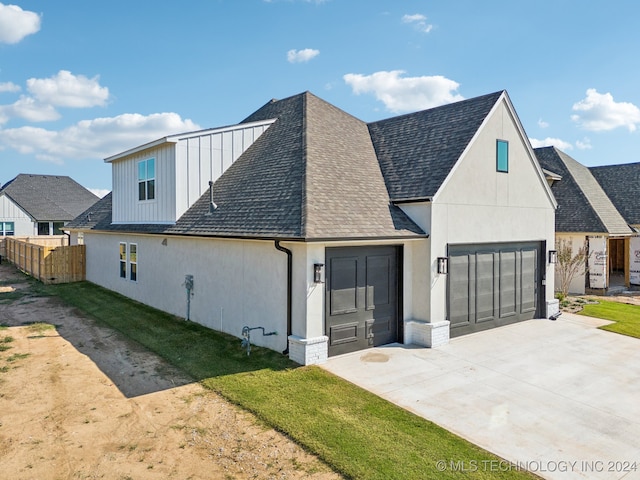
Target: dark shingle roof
x=417, y=151
x=98, y=217
x=320, y=173
x=583, y=206
x=49, y=197
x=312, y=175
x=622, y=185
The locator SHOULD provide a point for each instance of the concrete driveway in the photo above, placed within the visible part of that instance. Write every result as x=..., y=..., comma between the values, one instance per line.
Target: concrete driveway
x=560, y=398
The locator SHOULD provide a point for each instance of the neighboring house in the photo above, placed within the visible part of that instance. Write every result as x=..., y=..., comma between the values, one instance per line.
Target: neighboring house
x=41, y=204
x=586, y=217
x=334, y=233
x=622, y=185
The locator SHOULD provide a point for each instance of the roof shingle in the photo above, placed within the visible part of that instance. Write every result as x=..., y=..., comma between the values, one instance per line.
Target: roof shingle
x=49, y=197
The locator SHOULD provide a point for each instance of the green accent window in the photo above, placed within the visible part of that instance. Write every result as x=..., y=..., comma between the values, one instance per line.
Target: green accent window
x=147, y=179
x=502, y=156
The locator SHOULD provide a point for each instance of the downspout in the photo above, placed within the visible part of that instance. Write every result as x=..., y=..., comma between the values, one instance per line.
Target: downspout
x=289, y=289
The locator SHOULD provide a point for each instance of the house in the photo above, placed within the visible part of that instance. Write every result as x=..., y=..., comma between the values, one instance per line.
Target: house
x=622, y=185
x=335, y=234
x=41, y=204
x=587, y=218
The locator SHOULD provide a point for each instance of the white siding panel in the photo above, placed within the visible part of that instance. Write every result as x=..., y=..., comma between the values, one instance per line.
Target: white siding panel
x=183, y=172
x=10, y=212
x=126, y=206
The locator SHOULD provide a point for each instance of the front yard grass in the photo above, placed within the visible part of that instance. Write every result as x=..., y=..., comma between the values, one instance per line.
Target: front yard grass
x=355, y=432
x=625, y=316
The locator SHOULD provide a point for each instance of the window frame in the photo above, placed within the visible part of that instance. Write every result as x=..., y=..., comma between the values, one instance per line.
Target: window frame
x=502, y=163
x=146, y=182
x=133, y=264
x=123, y=261
x=5, y=231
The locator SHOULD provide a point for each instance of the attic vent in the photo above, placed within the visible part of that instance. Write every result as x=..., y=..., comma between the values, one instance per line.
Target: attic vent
x=212, y=205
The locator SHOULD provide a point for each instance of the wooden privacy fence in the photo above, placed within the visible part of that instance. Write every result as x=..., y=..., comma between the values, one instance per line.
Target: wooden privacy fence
x=49, y=264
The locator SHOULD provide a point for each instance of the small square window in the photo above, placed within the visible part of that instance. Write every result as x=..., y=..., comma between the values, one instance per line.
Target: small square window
x=502, y=156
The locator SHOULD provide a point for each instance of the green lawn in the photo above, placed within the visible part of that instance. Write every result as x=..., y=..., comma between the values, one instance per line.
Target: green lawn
x=625, y=316
x=357, y=433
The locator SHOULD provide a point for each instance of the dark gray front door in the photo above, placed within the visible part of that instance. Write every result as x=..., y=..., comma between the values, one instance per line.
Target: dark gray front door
x=361, y=297
x=493, y=285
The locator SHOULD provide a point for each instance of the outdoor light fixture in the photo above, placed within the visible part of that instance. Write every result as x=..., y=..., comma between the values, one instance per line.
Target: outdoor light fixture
x=553, y=256
x=318, y=272
x=443, y=265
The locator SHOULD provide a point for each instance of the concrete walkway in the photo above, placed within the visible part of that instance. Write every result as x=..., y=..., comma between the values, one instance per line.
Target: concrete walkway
x=560, y=398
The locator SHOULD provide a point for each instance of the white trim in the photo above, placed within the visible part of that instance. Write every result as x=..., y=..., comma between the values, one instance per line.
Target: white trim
x=176, y=138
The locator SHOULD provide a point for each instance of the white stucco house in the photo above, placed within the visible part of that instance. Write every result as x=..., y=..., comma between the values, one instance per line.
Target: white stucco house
x=335, y=233
x=41, y=204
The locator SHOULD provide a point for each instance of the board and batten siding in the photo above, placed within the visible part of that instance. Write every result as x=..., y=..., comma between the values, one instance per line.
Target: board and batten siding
x=10, y=212
x=205, y=157
x=126, y=206
x=184, y=165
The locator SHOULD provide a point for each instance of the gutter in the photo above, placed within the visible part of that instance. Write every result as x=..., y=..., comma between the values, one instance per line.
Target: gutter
x=289, y=288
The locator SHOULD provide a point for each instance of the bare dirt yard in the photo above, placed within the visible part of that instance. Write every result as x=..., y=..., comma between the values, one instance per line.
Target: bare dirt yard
x=79, y=401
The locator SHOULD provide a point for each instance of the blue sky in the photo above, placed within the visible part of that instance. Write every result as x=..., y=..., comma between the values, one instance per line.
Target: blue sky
x=82, y=80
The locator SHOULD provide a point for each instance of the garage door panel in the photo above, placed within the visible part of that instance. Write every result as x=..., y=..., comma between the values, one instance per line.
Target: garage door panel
x=492, y=285
x=529, y=273
x=344, y=285
x=485, y=287
x=378, y=281
x=345, y=333
x=459, y=290
x=508, y=285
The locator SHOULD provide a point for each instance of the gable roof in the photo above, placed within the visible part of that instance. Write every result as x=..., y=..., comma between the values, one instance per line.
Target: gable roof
x=583, y=206
x=417, y=151
x=312, y=175
x=48, y=197
x=622, y=185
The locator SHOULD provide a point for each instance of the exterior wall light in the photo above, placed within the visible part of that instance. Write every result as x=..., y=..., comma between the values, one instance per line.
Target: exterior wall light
x=443, y=265
x=318, y=272
x=553, y=256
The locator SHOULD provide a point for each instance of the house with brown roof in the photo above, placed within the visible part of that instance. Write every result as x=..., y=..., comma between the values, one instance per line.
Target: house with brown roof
x=41, y=204
x=332, y=234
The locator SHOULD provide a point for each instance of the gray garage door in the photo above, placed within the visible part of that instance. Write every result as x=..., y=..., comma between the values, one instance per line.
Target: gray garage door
x=493, y=285
x=361, y=297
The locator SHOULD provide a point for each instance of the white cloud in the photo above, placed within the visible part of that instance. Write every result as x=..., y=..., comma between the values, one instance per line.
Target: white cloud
x=15, y=23
x=599, y=112
x=29, y=109
x=584, y=144
x=404, y=94
x=9, y=87
x=100, y=192
x=542, y=123
x=299, y=56
x=61, y=90
x=97, y=138
x=419, y=21
x=68, y=90
x=549, y=142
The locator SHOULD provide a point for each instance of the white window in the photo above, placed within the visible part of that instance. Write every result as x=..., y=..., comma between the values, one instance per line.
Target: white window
x=7, y=228
x=147, y=179
x=123, y=260
x=129, y=261
x=133, y=262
